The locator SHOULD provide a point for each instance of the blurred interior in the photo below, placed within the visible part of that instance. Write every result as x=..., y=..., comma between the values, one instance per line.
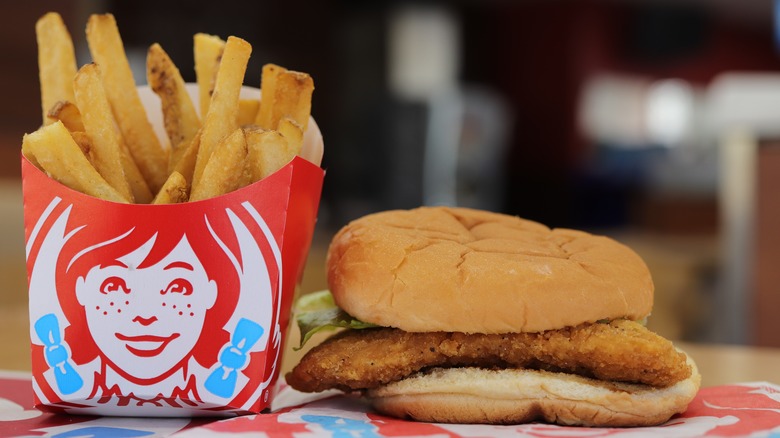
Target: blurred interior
x=655, y=122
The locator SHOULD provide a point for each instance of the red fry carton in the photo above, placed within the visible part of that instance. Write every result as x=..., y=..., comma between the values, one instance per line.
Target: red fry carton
x=165, y=310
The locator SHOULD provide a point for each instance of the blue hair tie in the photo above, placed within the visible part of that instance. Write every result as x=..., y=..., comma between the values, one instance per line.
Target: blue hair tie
x=57, y=355
x=233, y=357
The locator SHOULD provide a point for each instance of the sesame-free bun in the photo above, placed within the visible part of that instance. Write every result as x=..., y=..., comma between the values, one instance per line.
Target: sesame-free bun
x=515, y=396
x=472, y=271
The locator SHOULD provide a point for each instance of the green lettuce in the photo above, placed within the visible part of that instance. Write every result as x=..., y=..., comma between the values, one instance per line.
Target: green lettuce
x=317, y=311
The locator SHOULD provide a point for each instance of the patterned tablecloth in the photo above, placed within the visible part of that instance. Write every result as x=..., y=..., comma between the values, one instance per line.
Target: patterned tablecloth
x=745, y=409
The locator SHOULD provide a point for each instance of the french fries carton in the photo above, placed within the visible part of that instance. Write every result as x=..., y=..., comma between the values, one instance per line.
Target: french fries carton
x=165, y=310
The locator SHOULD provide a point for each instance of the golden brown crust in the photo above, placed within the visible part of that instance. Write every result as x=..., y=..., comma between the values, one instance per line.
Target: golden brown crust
x=618, y=351
x=473, y=395
x=457, y=269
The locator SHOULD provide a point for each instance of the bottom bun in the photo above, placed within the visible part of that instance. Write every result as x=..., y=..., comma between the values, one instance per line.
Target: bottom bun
x=514, y=396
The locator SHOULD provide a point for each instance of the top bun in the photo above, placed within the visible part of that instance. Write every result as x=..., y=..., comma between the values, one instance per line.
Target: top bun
x=472, y=271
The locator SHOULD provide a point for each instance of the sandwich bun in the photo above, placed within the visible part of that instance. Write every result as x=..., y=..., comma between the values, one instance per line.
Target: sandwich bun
x=472, y=271
x=514, y=396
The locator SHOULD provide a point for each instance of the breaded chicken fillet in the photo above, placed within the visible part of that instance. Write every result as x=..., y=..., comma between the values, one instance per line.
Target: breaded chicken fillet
x=622, y=351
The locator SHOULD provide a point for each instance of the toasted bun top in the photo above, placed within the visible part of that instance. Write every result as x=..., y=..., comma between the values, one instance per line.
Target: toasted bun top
x=464, y=270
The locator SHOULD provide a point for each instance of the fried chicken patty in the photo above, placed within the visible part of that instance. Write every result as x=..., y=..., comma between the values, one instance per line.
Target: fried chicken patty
x=620, y=350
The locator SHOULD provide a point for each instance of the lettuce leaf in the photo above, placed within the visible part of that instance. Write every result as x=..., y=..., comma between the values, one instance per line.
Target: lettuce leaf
x=317, y=311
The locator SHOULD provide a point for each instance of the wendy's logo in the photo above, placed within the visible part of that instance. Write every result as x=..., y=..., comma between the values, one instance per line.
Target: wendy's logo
x=146, y=319
x=172, y=309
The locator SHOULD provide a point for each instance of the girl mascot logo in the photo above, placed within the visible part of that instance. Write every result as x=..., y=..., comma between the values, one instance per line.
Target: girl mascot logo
x=148, y=310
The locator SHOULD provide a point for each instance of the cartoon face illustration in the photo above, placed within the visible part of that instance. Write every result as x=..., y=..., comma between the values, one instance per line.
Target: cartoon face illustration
x=176, y=311
x=155, y=313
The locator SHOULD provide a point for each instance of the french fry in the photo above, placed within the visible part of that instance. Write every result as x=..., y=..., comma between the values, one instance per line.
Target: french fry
x=141, y=192
x=222, y=117
x=56, y=62
x=267, y=152
x=208, y=52
x=68, y=113
x=107, y=50
x=293, y=133
x=57, y=154
x=285, y=93
x=30, y=157
x=82, y=139
x=268, y=89
x=99, y=125
x=173, y=191
x=186, y=164
x=85, y=144
x=247, y=111
x=292, y=98
x=223, y=173
x=217, y=144
x=179, y=116
x=28, y=150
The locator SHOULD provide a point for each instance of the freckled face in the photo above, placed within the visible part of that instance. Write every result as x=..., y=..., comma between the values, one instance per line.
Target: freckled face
x=147, y=320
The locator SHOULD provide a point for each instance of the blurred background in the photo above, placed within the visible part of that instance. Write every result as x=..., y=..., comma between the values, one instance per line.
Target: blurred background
x=654, y=122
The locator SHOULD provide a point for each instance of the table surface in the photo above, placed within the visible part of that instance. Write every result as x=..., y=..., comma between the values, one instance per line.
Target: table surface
x=724, y=364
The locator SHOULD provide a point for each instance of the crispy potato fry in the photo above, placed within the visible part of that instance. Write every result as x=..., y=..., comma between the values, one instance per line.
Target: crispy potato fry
x=292, y=98
x=268, y=88
x=186, y=164
x=179, y=116
x=57, y=154
x=99, y=124
x=111, y=151
x=27, y=153
x=85, y=143
x=225, y=168
x=68, y=113
x=245, y=178
x=208, y=52
x=173, y=191
x=56, y=62
x=247, y=111
x=285, y=93
x=141, y=192
x=293, y=133
x=222, y=117
x=268, y=151
x=107, y=50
